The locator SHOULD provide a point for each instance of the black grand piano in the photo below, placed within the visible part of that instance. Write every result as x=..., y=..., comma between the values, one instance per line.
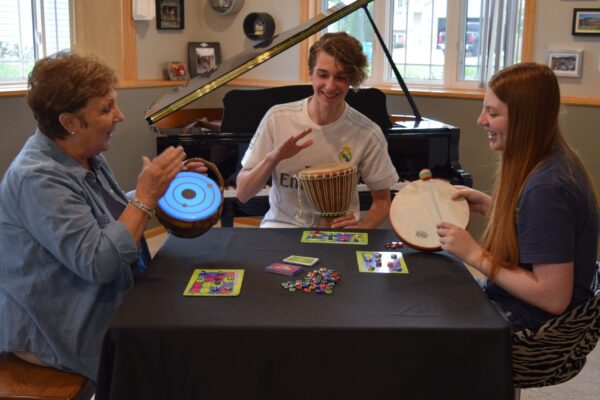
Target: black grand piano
x=414, y=142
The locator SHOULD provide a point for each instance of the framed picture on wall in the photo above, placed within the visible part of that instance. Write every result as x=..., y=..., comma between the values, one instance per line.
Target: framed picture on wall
x=586, y=21
x=566, y=63
x=203, y=58
x=176, y=71
x=169, y=14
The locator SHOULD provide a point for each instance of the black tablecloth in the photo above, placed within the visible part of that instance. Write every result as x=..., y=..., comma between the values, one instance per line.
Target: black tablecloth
x=429, y=334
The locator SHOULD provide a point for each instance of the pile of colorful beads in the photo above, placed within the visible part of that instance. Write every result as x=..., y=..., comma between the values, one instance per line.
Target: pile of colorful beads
x=393, y=245
x=320, y=281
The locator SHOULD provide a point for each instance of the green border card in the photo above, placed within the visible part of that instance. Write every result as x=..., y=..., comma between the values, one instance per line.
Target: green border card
x=215, y=282
x=381, y=262
x=331, y=237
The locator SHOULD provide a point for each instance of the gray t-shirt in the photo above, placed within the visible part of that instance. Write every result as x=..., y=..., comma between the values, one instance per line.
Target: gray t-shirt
x=557, y=222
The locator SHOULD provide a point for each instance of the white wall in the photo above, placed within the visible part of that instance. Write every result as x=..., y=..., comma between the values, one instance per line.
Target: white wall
x=154, y=48
x=553, y=32
x=203, y=24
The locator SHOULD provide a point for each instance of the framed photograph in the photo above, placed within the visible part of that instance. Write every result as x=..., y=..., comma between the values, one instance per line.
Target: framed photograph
x=203, y=57
x=586, y=21
x=176, y=71
x=169, y=14
x=566, y=63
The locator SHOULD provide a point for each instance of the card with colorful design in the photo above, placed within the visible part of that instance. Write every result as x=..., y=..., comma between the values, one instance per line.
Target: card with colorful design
x=331, y=237
x=383, y=262
x=215, y=282
x=284, y=269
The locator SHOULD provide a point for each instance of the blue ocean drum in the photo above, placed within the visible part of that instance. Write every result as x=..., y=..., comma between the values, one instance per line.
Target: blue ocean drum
x=193, y=202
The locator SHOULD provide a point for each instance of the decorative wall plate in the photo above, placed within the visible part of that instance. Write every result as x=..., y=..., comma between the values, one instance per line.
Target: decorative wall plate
x=259, y=26
x=226, y=6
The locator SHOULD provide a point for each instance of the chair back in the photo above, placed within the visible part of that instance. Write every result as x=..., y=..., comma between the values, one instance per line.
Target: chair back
x=556, y=351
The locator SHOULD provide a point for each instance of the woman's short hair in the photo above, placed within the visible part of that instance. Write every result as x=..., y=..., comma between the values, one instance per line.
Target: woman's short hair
x=346, y=50
x=64, y=82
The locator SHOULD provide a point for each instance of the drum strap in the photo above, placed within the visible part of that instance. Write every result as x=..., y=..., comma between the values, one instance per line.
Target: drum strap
x=300, y=216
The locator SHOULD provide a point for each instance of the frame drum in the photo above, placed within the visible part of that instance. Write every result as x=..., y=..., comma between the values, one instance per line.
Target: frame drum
x=420, y=206
x=193, y=202
x=329, y=187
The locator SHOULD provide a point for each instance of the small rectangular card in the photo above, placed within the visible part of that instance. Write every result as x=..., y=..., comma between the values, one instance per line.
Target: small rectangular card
x=284, y=269
x=382, y=262
x=331, y=237
x=301, y=260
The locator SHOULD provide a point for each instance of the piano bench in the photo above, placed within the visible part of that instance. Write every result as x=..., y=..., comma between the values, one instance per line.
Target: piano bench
x=246, y=222
x=22, y=380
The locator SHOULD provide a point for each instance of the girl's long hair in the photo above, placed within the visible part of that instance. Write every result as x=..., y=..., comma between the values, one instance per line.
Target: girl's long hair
x=532, y=95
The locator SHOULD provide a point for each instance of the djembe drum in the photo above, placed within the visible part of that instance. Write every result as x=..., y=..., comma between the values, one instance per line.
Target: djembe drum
x=329, y=189
x=193, y=202
x=420, y=206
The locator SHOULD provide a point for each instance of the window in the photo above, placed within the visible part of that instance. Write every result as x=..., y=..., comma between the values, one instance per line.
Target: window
x=30, y=30
x=438, y=42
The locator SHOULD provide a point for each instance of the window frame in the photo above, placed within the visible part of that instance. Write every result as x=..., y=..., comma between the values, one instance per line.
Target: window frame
x=42, y=11
x=123, y=58
x=382, y=75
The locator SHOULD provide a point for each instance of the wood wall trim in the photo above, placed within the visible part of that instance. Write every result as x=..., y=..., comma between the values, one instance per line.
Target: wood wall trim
x=528, y=31
x=114, y=44
x=415, y=91
x=129, y=61
x=304, y=16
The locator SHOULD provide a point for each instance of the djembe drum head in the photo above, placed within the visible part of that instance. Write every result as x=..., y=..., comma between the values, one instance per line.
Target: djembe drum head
x=191, y=197
x=192, y=203
x=420, y=206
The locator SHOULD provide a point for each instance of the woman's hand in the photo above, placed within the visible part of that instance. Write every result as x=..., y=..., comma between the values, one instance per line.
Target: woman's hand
x=460, y=243
x=195, y=166
x=156, y=175
x=479, y=202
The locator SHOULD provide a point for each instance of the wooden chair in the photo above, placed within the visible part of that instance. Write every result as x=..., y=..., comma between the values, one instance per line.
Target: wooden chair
x=22, y=380
x=556, y=351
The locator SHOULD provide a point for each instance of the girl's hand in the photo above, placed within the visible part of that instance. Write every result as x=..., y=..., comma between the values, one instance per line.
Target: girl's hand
x=479, y=202
x=459, y=242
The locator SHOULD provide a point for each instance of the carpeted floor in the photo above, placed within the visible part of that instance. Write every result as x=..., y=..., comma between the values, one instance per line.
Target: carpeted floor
x=585, y=386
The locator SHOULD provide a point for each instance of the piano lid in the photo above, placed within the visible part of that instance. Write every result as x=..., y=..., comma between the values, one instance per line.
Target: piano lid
x=247, y=60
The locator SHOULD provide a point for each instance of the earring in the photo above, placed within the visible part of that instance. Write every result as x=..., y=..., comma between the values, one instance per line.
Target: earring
x=73, y=132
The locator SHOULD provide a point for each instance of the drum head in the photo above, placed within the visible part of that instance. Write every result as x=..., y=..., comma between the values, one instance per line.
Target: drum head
x=414, y=216
x=191, y=197
x=326, y=169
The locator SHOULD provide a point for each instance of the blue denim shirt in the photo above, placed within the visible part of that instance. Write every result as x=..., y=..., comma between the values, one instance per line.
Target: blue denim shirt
x=65, y=262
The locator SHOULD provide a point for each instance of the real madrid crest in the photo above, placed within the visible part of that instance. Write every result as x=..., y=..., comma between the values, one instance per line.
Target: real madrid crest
x=345, y=154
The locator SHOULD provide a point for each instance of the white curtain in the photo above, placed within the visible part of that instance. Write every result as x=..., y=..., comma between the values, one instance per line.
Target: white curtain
x=499, y=34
